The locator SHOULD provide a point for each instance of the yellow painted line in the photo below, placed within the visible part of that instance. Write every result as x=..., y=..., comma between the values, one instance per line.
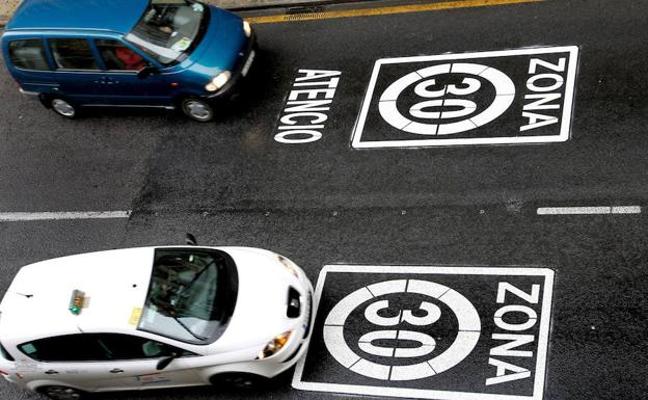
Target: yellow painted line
x=369, y=12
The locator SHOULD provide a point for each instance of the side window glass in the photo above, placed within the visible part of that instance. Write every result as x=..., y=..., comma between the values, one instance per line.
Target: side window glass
x=28, y=54
x=5, y=353
x=65, y=349
x=73, y=54
x=118, y=57
x=124, y=347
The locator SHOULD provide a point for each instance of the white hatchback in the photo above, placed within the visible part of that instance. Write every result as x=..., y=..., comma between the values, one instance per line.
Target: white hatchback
x=158, y=317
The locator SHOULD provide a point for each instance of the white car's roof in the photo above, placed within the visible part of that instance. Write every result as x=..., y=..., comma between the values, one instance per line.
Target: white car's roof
x=115, y=284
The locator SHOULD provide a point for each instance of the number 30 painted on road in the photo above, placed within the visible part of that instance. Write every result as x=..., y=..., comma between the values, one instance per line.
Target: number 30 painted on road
x=426, y=77
x=467, y=336
x=426, y=342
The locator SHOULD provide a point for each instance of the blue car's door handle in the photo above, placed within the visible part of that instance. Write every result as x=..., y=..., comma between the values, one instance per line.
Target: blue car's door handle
x=106, y=81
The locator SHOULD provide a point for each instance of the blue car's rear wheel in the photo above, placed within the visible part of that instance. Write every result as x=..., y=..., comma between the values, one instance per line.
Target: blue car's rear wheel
x=63, y=107
x=197, y=109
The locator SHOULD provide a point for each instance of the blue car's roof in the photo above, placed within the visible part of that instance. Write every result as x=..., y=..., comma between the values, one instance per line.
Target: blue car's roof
x=114, y=15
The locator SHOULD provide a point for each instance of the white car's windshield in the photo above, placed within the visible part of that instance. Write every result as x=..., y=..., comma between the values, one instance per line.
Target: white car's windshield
x=169, y=29
x=191, y=296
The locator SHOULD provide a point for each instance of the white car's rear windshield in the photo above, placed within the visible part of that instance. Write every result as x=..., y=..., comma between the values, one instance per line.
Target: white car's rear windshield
x=191, y=295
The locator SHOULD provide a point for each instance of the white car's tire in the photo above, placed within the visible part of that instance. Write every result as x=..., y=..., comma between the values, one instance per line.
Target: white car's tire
x=237, y=380
x=62, y=393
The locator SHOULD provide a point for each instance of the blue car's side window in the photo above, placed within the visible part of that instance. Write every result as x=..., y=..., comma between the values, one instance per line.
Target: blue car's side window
x=117, y=57
x=28, y=54
x=73, y=54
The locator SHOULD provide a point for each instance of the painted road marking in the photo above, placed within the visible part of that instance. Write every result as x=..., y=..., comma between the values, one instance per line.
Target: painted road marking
x=368, y=12
x=467, y=338
x=56, y=216
x=307, y=107
x=427, y=332
x=496, y=97
x=589, y=210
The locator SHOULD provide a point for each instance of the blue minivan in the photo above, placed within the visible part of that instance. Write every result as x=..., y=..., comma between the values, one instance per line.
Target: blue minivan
x=174, y=54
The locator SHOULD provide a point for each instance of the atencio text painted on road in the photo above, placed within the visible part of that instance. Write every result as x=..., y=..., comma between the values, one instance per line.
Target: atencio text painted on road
x=500, y=97
x=430, y=332
x=306, y=112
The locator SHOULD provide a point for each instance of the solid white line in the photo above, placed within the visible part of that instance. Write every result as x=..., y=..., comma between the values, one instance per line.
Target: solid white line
x=57, y=216
x=589, y=210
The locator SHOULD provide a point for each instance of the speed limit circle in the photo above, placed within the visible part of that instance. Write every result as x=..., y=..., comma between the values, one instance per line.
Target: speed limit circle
x=445, y=99
x=400, y=343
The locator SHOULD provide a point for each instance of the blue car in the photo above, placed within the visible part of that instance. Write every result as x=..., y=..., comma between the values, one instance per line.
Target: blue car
x=174, y=54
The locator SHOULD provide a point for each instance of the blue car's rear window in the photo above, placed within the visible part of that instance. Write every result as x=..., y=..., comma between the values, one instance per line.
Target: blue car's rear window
x=28, y=54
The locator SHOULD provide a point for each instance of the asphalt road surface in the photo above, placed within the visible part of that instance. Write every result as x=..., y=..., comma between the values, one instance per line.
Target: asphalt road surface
x=406, y=199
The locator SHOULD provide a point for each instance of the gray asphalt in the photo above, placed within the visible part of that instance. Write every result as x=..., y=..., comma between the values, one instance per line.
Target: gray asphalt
x=322, y=203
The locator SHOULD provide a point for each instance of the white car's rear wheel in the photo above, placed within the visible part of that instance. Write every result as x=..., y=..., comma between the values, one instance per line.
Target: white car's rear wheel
x=61, y=393
x=237, y=380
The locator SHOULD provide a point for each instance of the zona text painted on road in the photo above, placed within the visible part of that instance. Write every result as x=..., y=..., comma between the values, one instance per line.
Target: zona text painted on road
x=370, y=12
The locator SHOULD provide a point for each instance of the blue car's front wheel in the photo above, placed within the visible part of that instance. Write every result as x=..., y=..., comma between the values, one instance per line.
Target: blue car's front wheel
x=197, y=109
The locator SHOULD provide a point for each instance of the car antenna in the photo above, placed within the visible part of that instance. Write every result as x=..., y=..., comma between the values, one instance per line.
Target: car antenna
x=191, y=240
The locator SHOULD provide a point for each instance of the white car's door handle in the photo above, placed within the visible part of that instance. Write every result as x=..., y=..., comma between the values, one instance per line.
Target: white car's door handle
x=116, y=371
x=51, y=372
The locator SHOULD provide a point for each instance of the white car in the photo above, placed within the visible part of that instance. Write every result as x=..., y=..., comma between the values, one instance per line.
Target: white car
x=153, y=318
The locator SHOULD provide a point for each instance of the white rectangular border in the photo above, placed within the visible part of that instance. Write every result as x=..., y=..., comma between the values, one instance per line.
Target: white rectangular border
x=543, y=335
x=565, y=129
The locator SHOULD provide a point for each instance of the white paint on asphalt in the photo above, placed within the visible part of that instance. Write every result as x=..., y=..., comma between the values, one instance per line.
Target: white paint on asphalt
x=439, y=125
x=303, y=118
x=334, y=333
x=61, y=215
x=464, y=312
x=589, y=210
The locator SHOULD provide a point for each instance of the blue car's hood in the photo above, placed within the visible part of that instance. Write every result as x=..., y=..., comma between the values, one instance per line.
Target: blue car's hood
x=220, y=46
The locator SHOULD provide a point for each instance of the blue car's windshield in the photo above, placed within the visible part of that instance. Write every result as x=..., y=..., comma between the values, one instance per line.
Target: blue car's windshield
x=170, y=29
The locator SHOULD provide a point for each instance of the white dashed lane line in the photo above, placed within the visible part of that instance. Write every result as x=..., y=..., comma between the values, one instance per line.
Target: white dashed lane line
x=59, y=216
x=589, y=210
x=88, y=215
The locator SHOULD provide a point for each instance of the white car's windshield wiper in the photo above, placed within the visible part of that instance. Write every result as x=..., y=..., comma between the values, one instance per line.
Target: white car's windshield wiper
x=186, y=328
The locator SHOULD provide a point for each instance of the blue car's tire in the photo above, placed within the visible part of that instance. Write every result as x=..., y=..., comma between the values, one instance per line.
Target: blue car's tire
x=197, y=109
x=63, y=107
